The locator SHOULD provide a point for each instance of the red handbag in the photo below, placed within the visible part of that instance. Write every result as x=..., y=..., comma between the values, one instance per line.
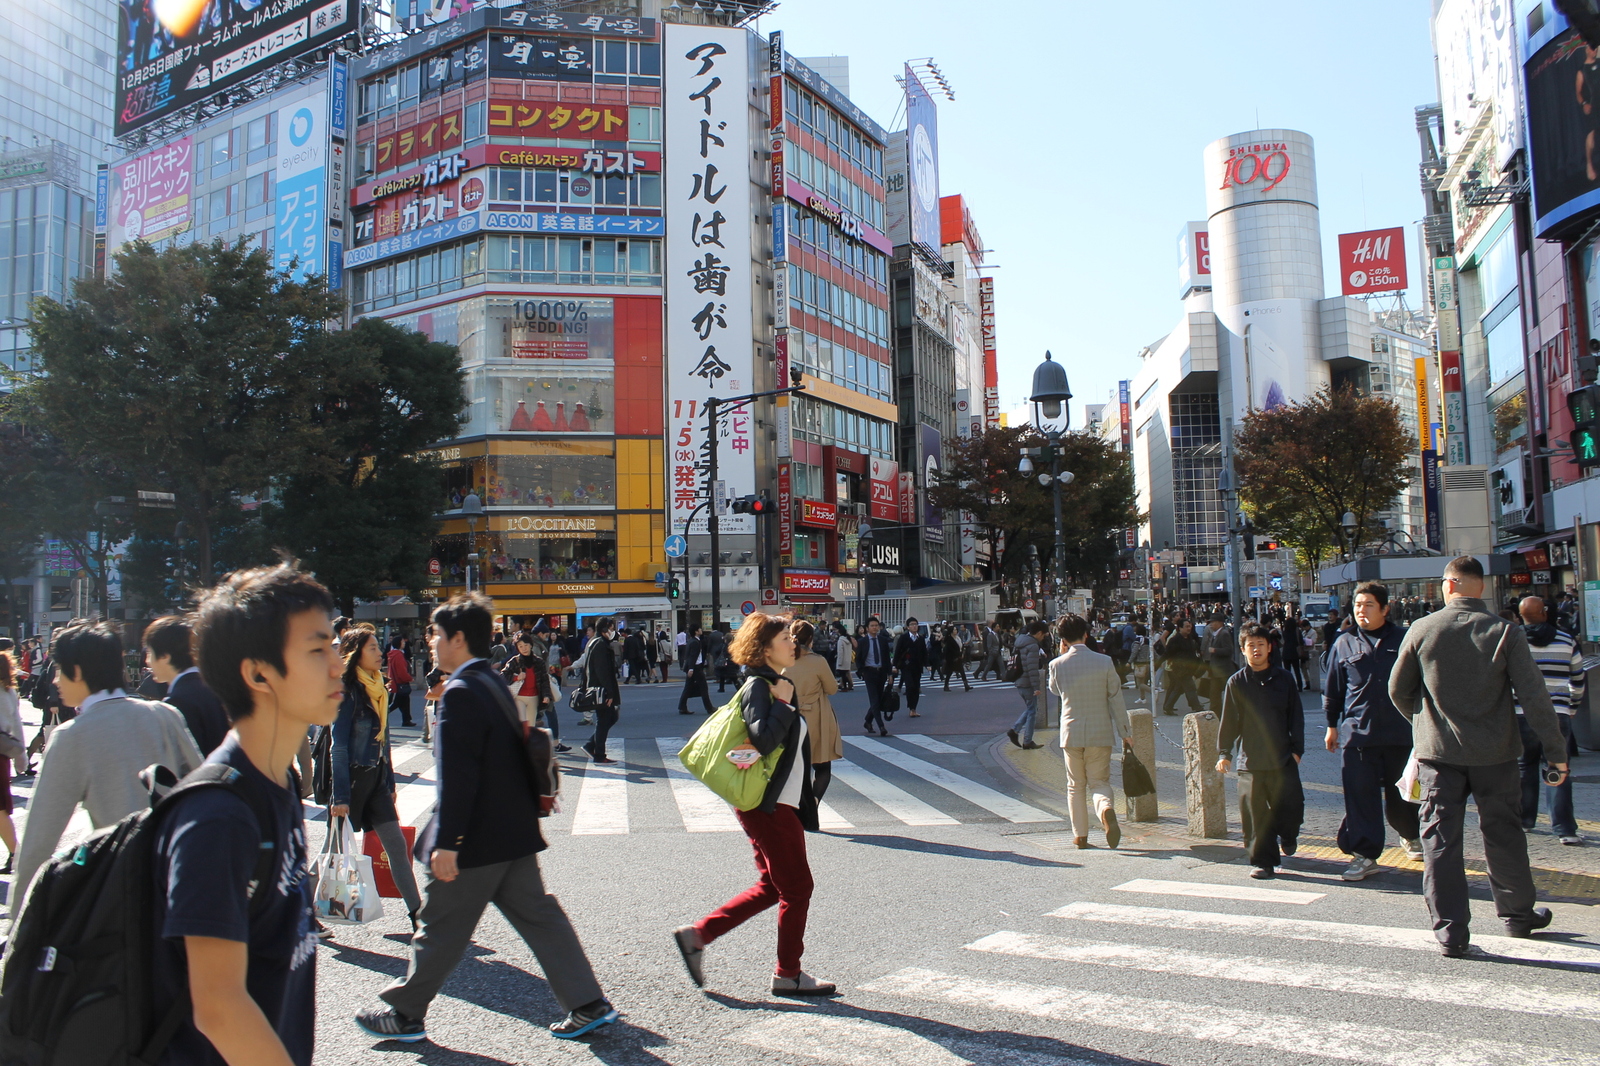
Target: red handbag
x=370, y=845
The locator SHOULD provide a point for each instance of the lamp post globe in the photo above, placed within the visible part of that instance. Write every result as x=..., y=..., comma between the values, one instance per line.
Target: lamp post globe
x=1049, y=396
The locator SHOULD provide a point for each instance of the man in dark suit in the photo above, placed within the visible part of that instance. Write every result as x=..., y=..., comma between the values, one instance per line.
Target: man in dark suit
x=167, y=643
x=911, y=658
x=693, y=661
x=876, y=657
x=482, y=844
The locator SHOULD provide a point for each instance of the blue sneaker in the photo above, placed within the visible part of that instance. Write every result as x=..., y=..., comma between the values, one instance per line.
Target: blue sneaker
x=585, y=1019
x=386, y=1023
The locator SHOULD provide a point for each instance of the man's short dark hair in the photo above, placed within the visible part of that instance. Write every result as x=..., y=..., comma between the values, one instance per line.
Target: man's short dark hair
x=1376, y=589
x=602, y=626
x=1464, y=566
x=93, y=650
x=170, y=637
x=246, y=616
x=1036, y=627
x=470, y=614
x=1254, y=629
x=912, y=619
x=1072, y=628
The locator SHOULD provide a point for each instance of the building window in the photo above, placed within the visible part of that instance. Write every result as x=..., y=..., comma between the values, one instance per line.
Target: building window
x=536, y=260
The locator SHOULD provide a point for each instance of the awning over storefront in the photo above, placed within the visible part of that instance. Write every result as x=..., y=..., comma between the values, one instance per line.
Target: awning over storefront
x=623, y=605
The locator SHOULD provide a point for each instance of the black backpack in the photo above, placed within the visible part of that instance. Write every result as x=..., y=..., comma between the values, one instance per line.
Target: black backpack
x=75, y=980
x=544, y=769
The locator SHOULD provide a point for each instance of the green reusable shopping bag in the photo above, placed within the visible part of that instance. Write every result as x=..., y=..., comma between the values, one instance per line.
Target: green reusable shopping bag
x=705, y=755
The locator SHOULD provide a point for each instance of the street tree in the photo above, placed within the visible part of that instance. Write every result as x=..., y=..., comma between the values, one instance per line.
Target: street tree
x=197, y=369
x=1304, y=465
x=1013, y=511
x=367, y=521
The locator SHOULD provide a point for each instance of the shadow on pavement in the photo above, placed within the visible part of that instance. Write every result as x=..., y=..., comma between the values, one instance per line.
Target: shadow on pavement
x=987, y=1045
x=954, y=851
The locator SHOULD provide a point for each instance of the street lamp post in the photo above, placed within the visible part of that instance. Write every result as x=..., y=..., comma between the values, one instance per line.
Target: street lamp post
x=1050, y=418
x=472, y=507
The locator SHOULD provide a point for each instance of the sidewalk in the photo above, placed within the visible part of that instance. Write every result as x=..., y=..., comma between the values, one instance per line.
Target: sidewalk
x=1561, y=873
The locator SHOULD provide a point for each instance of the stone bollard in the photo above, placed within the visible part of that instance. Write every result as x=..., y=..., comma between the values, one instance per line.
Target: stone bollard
x=1203, y=792
x=1143, y=734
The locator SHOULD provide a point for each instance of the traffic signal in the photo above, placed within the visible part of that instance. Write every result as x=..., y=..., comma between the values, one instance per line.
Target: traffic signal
x=1268, y=546
x=1584, y=405
x=674, y=588
x=752, y=504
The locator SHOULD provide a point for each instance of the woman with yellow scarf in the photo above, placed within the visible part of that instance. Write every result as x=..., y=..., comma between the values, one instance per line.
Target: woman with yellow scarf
x=363, y=773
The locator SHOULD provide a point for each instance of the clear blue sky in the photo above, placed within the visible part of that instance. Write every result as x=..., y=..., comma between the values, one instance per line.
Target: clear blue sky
x=1077, y=131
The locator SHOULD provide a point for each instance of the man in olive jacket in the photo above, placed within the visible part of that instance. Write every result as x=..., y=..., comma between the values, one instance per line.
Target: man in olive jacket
x=1454, y=678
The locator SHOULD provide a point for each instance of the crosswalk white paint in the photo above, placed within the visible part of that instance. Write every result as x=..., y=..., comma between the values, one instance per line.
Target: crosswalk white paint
x=702, y=810
x=1286, y=1034
x=1520, y=997
x=602, y=801
x=416, y=799
x=1207, y=891
x=895, y=801
x=859, y=1042
x=938, y=747
x=979, y=795
x=1326, y=932
x=829, y=818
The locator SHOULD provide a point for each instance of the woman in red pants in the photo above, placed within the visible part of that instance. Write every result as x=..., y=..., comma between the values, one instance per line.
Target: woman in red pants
x=777, y=828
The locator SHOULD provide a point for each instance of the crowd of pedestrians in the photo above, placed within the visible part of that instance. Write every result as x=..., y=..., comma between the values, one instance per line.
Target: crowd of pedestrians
x=262, y=685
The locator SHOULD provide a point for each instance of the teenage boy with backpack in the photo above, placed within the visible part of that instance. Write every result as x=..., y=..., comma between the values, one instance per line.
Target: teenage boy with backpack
x=244, y=953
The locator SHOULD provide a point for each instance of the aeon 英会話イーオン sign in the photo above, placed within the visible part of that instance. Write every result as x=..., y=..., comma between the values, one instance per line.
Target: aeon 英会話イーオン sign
x=1246, y=164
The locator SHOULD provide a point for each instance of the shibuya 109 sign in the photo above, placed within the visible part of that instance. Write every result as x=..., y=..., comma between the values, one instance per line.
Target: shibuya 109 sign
x=1262, y=165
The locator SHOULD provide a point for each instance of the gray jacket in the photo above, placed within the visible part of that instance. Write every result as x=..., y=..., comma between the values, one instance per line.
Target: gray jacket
x=1092, y=715
x=1032, y=659
x=1455, y=677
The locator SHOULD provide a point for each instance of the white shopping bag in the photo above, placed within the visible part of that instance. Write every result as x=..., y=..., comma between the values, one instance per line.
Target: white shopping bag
x=347, y=893
x=1410, y=783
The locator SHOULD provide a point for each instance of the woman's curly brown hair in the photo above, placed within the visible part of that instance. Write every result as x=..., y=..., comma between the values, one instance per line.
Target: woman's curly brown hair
x=749, y=647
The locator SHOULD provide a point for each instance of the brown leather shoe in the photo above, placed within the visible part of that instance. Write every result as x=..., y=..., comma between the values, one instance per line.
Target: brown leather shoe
x=1108, y=821
x=1082, y=842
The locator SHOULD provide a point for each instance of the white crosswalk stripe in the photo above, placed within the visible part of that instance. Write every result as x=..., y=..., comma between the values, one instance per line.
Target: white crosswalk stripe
x=1209, y=891
x=1325, y=932
x=860, y=1042
x=1297, y=1037
x=600, y=800
x=1296, y=974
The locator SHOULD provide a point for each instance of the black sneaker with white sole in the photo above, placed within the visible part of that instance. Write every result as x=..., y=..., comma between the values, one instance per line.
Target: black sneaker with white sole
x=586, y=1019
x=386, y=1023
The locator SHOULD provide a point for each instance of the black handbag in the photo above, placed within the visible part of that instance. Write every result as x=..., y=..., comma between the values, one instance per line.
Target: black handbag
x=890, y=703
x=587, y=700
x=1136, y=780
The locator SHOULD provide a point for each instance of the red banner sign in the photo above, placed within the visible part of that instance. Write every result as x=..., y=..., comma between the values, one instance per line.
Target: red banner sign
x=885, y=479
x=785, y=512
x=426, y=138
x=1372, y=261
x=818, y=514
x=807, y=583
x=542, y=118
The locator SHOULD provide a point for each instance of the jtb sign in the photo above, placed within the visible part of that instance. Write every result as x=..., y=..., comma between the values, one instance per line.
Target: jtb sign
x=1372, y=261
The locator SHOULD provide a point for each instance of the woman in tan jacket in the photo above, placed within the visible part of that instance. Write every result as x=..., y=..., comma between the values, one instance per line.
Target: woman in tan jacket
x=813, y=683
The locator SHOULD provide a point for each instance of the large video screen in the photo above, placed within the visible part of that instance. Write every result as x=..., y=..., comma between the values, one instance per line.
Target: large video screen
x=171, y=53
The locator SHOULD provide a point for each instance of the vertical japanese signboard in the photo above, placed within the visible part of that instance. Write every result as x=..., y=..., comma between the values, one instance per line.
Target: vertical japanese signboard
x=932, y=463
x=1125, y=414
x=991, y=359
x=302, y=186
x=785, y=513
x=708, y=210
x=1451, y=386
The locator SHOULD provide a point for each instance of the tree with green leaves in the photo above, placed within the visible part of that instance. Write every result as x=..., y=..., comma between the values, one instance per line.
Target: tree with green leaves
x=1304, y=465
x=1013, y=511
x=197, y=369
x=369, y=521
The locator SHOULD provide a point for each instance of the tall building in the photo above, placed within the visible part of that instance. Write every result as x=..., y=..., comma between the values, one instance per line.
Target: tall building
x=56, y=76
x=1257, y=332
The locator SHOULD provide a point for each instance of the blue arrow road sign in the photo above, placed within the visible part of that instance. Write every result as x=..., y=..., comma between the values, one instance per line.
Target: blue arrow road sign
x=676, y=546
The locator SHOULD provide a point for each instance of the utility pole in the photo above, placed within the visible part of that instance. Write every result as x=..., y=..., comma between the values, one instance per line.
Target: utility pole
x=1227, y=484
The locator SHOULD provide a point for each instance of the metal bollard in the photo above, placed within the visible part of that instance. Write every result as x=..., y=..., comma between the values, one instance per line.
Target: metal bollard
x=1143, y=734
x=1203, y=792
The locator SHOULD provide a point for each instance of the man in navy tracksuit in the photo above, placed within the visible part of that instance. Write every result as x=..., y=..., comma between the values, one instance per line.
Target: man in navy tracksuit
x=1261, y=713
x=1376, y=737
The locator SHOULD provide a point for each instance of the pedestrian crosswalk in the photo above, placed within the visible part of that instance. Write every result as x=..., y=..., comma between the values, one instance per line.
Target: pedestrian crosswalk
x=1064, y=978
x=883, y=782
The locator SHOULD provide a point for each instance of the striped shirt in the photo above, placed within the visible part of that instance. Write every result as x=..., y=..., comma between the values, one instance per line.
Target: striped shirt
x=1561, y=663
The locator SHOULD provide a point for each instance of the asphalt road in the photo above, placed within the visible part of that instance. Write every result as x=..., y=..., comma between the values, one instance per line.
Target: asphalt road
x=962, y=927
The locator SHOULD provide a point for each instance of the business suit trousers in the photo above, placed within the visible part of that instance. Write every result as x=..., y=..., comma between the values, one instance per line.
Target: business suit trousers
x=876, y=677
x=450, y=914
x=913, y=681
x=1497, y=792
x=1370, y=774
x=1088, y=776
x=694, y=685
x=1272, y=805
x=779, y=841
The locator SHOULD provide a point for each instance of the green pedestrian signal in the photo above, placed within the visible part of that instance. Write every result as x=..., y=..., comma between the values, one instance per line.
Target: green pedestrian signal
x=674, y=589
x=1584, y=406
x=1586, y=447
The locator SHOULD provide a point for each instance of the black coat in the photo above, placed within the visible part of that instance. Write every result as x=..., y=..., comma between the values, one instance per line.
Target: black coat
x=689, y=655
x=772, y=722
x=202, y=710
x=911, y=655
x=601, y=670
x=487, y=810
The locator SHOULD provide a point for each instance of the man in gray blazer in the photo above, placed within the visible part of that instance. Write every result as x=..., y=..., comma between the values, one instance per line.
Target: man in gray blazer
x=1092, y=718
x=1454, y=678
x=96, y=758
